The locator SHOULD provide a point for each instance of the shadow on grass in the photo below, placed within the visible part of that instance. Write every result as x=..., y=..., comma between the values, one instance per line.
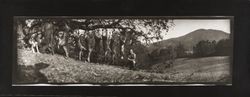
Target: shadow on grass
x=31, y=74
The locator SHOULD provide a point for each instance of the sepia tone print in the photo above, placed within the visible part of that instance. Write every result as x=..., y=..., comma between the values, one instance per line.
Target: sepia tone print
x=85, y=50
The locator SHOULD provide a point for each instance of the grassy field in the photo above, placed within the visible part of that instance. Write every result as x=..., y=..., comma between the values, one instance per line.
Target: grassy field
x=47, y=68
x=207, y=69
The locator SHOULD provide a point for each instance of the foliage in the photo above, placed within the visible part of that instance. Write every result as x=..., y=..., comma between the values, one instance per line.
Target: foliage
x=204, y=48
x=211, y=48
x=223, y=47
x=146, y=30
x=163, y=54
x=138, y=32
x=180, y=51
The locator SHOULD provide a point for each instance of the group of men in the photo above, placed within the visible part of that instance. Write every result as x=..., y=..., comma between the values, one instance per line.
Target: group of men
x=101, y=45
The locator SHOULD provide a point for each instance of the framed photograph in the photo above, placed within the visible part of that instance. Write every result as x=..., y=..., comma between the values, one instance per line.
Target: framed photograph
x=133, y=51
x=124, y=48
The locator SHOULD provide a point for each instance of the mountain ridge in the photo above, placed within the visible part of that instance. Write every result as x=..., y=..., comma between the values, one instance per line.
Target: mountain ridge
x=192, y=38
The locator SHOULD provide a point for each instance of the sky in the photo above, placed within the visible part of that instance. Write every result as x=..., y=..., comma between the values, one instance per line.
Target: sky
x=185, y=26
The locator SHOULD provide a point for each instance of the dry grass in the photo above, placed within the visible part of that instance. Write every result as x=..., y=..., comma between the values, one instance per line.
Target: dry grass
x=207, y=69
x=68, y=70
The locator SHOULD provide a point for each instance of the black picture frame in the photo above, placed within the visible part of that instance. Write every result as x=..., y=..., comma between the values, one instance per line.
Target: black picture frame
x=239, y=9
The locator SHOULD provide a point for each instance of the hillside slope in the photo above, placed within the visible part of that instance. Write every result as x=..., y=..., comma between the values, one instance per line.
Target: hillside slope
x=46, y=68
x=67, y=70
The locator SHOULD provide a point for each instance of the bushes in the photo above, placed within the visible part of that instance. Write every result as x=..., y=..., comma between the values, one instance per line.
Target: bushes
x=211, y=48
x=204, y=48
x=180, y=51
x=223, y=47
x=163, y=54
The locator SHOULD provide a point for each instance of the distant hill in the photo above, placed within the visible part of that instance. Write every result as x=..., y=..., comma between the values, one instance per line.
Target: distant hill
x=192, y=38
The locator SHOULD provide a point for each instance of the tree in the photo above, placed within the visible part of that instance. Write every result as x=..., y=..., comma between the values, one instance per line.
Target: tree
x=204, y=48
x=163, y=54
x=143, y=31
x=180, y=50
x=223, y=47
x=168, y=53
x=146, y=30
x=19, y=25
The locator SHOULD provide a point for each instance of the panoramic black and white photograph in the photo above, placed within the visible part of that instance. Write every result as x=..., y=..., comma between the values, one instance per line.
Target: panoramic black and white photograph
x=122, y=50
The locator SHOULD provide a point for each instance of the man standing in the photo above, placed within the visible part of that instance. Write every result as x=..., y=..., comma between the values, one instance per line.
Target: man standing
x=131, y=59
